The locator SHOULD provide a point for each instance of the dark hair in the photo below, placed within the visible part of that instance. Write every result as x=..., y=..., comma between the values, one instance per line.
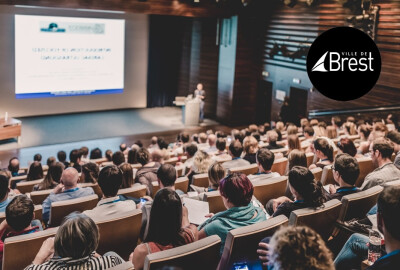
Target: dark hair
x=12, y=168
x=347, y=146
x=221, y=144
x=109, y=154
x=165, y=224
x=191, y=149
x=297, y=158
x=384, y=146
x=236, y=148
x=62, y=156
x=4, y=181
x=302, y=180
x=122, y=147
x=143, y=156
x=84, y=150
x=118, y=158
x=74, y=155
x=96, y=153
x=127, y=175
x=324, y=146
x=139, y=143
x=365, y=130
x=347, y=167
x=132, y=156
x=53, y=176
x=110, y=180
x=394, y=136
x=185, y=137
x=309, y=130
x=35, y=171
x=162, y=144
x=215, y=173
x=256, y=135
x=37, y=157
x=19, y=212
x=389, y=208
x=337, y=120
x=90, y=172
x=237, y=188
x=167, y=175
x=266, y=158
x=50, y=161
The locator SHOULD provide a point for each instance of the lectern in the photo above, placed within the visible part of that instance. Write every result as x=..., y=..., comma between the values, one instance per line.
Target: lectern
x=190, y=110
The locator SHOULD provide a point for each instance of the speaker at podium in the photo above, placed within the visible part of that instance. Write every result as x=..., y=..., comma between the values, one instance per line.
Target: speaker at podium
x=190, y=109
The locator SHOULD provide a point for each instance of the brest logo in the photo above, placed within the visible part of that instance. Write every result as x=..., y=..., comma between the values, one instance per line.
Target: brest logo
x=339, y=63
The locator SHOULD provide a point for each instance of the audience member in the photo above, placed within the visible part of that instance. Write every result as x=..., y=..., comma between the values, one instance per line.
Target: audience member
x=90, y=173
x=293, y=143
x=37, y=157
x=132, y=156
x=272, y=139
x=4, y=191
x=127, y=175
x=13, y=167
x=35, y=171
x=296, y=158
x=52, y=178
x=308, y=133
x=347, y=146
x=50, y=161
x=123, y=147
x=250, y=148
x=215, y=174
x=211, y=144
x=201, y=162
x=264, y=159
x=221, y=153
x=62, y=157
x=235, y=151
x=85, y=154
x=118, y=158
x=394, y=137
x=75, y=159
x=96, y=153
x=108, y=155
x=148, y=173
x=190, y=151
x=331, y=132
x=324, y=152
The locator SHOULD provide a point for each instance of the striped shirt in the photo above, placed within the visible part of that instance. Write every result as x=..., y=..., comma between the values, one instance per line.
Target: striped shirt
x=91, y=263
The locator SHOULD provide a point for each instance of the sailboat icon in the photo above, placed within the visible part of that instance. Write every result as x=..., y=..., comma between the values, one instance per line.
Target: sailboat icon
x=319, y=66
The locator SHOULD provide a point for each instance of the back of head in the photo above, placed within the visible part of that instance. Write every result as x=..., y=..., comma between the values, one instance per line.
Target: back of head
x=389, y=209
x=157, y=155
x=297, y=158
x=127, y=175
x=314, y=122
x=272, y=136
x=75, y=155
x=236, y=148
x=266, y=158
x=221, y=144
x=347, y=146
x=37, y=157
x=122, y=147
x=118, y=158
x=324, y=146
x=96, y=153
x=13, y=165
x=35, y=171
x=302, y=180
x=19, y=212
x=91, y=172
x=143, y=156
x=351, y=119
x=212, y=139
x=109, y=155
x=347, y=167
x=167, y=175
x=299, y=248
x=51, y=160
x=77, y=237
x=280, y=126
x=154, y=140
x=4, y=180
x=132, y=156
x=250, y=145
x=70, y=177
x=84, y=150
x=62, y=156
x=384, y=146
x=215, y=173
x=162, y=144
x=331, y=132
x=292, y=130
x=237, y=188
x=191, y=149
x=54, y=173
x=201, y=161
x=293, y=142
x=110, y=180
x=336, y=121
x=394, y=136
x=202, y=137
x=365, y=130
x=309, y=131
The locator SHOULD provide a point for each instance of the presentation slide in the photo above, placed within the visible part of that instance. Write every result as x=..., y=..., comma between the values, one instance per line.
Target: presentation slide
x=68, y=56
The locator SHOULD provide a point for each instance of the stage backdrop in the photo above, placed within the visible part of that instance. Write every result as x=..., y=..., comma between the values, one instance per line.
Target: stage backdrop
x=136, y=66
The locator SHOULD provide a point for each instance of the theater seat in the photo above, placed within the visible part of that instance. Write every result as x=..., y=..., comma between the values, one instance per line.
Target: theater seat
x=26, y=187
x=215, y=203
x=199, y=255
x=201, y=180
x=327, y=176
x=39, y=196
x=61, y=209
x=272, y=188
x=171, y=161
x=241, y=244
x=280, y=165
x=182, y=183
x=310, y=158
x=366, y=166
x=96, y=188
x=248, y=169
x=134, y=192
x=317, y=172
x=392, y=183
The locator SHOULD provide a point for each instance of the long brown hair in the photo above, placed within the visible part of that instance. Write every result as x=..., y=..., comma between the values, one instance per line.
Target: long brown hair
x=52, y=177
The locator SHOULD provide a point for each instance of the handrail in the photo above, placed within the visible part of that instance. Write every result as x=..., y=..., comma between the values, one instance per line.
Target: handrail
x=314, y=113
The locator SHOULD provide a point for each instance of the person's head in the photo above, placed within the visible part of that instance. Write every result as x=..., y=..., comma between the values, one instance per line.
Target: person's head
x=250, y=145
x=96, y=153
x=166, y=175
x=331, y=132
x=51, y=160
x=153, y=140
x=35, y=171
x=165, y=223
x=347, y=146
x=185, y=137
x=299, y=248
x=199, y=86
x=90, y=173
x=381, y=150
x=62, y=156
x=297, y=158
x=236, y=190
x=118, y=158
x=379, y=126
x=37, y=157
x=77, y=237
x=201, y=161
x=350, y=128
x=303, y=186
x=292, y=130
x=69, y=178
x=308, y=132
x=394, y=137
x=212, y=139
x=75, y=156
x=19, y=212
x=4, y=189
x=53, y=175
x=272, y=136
x=110, y=180
x=235, y=149
x=253, y=128
x=364, y=131
x=143, y=156
x=314, y=122
x=345, y=169
x=221, y=144
x=127, y=175
x=157, y=155
x=351, y=119
x=265, y=158
x=336, y=121
x=202, y=137
x=13, y=165
x=215, y=173
x=162, y=144
x=191, y=150
x=122, y=147
x=132, y=156
x=109, y=154
x=85, y=151
x=323, y=149
x=293, y=142
x=280, y=126
x=388, y=213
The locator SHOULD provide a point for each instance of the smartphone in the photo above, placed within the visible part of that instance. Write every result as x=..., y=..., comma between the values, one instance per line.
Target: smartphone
x=240, y=266
x=143, y=200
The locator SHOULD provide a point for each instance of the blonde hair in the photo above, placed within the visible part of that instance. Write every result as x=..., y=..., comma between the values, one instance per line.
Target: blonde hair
x=250, y=145
x=215, y=173
x=201, y=162
x=292, y=130
x=280, y=126
x=293, y=142
x=331, y=132
x=299, y=248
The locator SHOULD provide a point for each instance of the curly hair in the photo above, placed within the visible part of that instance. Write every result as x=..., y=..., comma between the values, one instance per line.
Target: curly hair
x=299, y=248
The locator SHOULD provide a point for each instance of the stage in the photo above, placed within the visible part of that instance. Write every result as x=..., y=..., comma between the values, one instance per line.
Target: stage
x=105, y=129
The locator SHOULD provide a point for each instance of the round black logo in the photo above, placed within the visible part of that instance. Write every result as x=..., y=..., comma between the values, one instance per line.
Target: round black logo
x=343, y=63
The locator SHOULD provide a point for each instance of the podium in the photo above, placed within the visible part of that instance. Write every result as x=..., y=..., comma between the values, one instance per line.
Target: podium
x=190, y=110
x=10, y=128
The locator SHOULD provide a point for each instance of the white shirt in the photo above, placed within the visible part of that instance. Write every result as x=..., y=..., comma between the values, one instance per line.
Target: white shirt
x=110, y=206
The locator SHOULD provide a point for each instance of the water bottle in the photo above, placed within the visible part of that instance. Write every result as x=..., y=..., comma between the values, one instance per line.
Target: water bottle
x=374, y=246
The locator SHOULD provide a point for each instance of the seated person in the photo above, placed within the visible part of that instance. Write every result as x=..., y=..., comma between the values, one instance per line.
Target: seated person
x=250, y=147
x=74, y=247
x=201, y=162
x=127, y=175
x=4, y=191
x=190, y=151
x=221, y=153
x=35, y=171
x=215, y=173
x=75, y=157
x=110, y=179
x=52, y=178
x=148, y=173
x=305, y=190
x=309, y=135
x=19, y=220
x=264, y=158
x=67, y=189
x=345, y=145
x=345, y=171
x=169, y=227
x=90, y=173
x=236, y=191
x=324, y=152
x=62, y=157
x=118, y=158
x=13, y=167
x=299, y=248
x=381, y=152
x=235, y=151
x=272, y=136
x=212, y=144
x=293, y=143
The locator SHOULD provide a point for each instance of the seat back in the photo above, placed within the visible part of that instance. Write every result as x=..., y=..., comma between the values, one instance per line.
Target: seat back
x=310, y=158
x=322, y=219
x=327, y=176
x=62, y=208
x=98, y=161
x=392, y=183
x=39, y=196
x=28, y=244
x=124, y=240
x=202, y=254
x=366, y=166
x=241, y=244
x=358, y=204
x=279, y=166
x=134, y=192
x=171, y=161
x=248, y=169
x=215, y=203
x=156, y=187
x=16, y=179
x=182, y=183
x=26, y=187
x=200, y=180
x=96, y=188
x=317, y=172
x=272, y=188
